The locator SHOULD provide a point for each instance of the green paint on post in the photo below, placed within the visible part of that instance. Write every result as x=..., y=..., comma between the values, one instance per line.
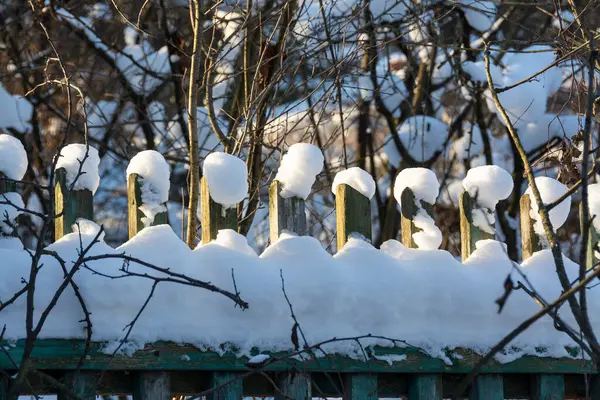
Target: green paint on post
x=227, y=386
x=6, y=186
x=469, y=233
x=285, y=214
x=81, y=383
x=548, y=387
x=293, y=385
x=487, y=387
x=214, y=217
x=134, y=199
x=76, y=204
x=152, y=385
x=530, y=241
x=353, y=214
x=361, y=387
x=425, y=386
x=593, y=239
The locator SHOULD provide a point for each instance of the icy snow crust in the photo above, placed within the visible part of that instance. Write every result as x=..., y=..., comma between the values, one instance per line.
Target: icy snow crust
x=358, y=291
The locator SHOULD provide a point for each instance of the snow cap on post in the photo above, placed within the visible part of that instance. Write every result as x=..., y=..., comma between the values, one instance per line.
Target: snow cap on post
x=550, y=191
x=299, y=168
x=227, y=178
x=71, y=158
x=418, y=185
x=13, y=158
x=358, y=179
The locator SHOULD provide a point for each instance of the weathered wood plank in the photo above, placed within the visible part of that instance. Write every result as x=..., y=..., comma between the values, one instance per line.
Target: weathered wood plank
x=548, y=387
x=530, y=241
x=152, y=385
x=285, y=214
x=469, y=233
x=353, y=214
x=213, y=216
x=293, y=385
x=361, y=387
x=487, y=387
x=70, y=205
x=81, y=383
x=134, y=200
x=408, y=212
x=425, y=386
x=227, y=386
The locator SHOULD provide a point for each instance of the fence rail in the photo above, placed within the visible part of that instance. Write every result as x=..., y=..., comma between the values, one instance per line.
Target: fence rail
x=162, y=369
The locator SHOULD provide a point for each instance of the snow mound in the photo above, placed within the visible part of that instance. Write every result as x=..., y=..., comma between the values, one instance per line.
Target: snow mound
x=70, y=158
x=227, y=178
x=358, y=179
x=550, y=190
x=86, y=227
x=298, y=170
x=423, y=136
x=488, y=185
x=154, y=180
x=594, y=204
x=10, y=203
x=13, y=158
x=230, y=239
x=425, y=187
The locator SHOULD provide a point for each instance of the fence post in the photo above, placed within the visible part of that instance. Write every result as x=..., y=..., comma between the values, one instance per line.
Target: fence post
x=70, y=205
x=135, y=215
x=285, y=214
x=81, y=383
x=487, y=387
x=469, y=233
x=352, y=214
x=3, y=387
x=530, y=241
x=6, y=186
x=294, y=386
x=407, y=213
x=361, y=387
x=594, y=237
x=548, y=387
x=152, y=385
x=213, y=215
x=226, y=385
x=425, y=386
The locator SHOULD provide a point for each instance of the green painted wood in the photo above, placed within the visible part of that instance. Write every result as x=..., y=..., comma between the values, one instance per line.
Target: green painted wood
x=81, y=383
x=293, y=386
x=408, y=212
x=152, y=385
x=65, y=354
x=487, y=387
x=6, y=186
x=134, y=200
x=285, y=214
x=469, y=233
x=213, y=216
x=228, y=386
x=361, y=387
x=3, y=387
x=530, y=242
x=548, y=387
x=594, y=238
x=353, y=214
x=76, y=204
x=425, y=386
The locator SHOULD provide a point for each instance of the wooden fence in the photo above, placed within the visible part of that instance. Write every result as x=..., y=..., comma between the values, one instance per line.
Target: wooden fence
x=162, y=370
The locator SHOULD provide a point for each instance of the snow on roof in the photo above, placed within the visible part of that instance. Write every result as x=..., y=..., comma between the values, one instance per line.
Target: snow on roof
x=13, y=158
x=83, y=176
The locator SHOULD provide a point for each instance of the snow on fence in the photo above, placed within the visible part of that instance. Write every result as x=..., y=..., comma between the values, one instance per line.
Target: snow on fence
x=440, y=311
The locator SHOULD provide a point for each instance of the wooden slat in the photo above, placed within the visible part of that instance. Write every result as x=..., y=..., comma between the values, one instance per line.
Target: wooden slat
x=285, y=214
x=152, y=385
x=81, y=383
x=530, y=241
x=134, y=200
x=76, y=204
x=548, y=387
x=293, y=385
x=487, y=387
x=408, y=212
x=228, y=386
x=353, y=214
x=361, y=387
x=469, y=233
x=213, y=216
x=425, y=387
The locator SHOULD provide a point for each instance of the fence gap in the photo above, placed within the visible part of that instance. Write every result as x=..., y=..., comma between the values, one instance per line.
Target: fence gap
x=469, y=233
x=408, y=211
x=361, y=387
x=425, y=386
x=134, y=200
x=227, y=386
x=213, y=215
x=81, y=383
x=152, y=385
x=548, y=387
x=353, y=214
x=530, y=241
x=594, y=237
x=285, y=214
x=70, y=205
x=293, y=386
